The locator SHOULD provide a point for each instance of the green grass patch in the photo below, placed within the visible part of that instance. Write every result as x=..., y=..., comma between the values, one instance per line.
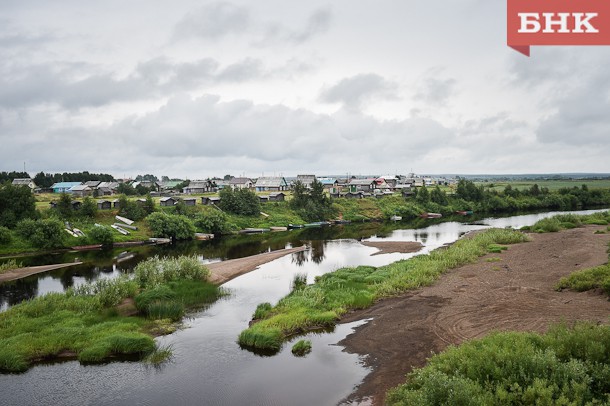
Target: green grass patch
x=321, y=304
x=9, y=265
x=587, y=279
x=493, y=259
x=85, y=321
x=496, y=248
x=301, y=348
x=567, y=221
x=563, y=367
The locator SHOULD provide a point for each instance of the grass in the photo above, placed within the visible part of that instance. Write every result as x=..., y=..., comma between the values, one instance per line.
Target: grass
x=552, y=185
x=493, y=259
x=587, y=279
x=85, y=322
x=321, y=304
x=159, y=356
x=301, y=348
x=565, y=366
x=9, y=265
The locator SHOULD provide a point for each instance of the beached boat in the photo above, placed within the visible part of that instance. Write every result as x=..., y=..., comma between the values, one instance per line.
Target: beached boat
x=317, y=224
x=278, y=228
x=120, y=230
x=430, y=215
x=464, y=212
x=293, y=226
x=396, y=218
x=342, y=221
x=203, y=236
x=253, y=230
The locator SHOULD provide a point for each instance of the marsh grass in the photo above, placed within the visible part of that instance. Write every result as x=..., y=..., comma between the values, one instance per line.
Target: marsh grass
x=564, y=366
x=301, y=348
x=568, y=221
x=84, y=321
x=159, y=356
x=587, y=279
x=493, y=259
x=321, y=304
x=299, y=281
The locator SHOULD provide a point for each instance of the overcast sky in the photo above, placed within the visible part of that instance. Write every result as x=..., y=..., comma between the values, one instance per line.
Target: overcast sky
x=195, y=89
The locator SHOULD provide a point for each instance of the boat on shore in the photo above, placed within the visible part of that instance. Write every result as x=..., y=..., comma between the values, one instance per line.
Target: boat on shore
x=431, y=215
x=464, y=212
x=278, y=228
x=253, y=230
x=396, y=218
x=293, y=226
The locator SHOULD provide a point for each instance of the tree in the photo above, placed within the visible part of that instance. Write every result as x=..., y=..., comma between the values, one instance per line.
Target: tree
x=212, y=221
x=313, y=204
x=45, y=234
x=89, y=207
x=101, y=235
x=149, y=204
x=130, y=209
x=16, y=203
x=126, y=189
x=438, y=196
x=243, y=201
x=64, y=206
x=423, y=196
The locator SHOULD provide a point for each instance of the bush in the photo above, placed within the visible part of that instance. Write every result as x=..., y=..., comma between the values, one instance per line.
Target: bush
x=16, y=203
x=46, y=234
x=110, y=292
x=212, y=221
x=155, y=271
x=170, y=226
x=243, y=201
x=301, y=348
x=5, y=235
x=101, y=235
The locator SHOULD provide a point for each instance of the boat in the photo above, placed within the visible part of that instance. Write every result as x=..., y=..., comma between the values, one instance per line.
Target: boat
x=124, y=220
x=155, y=240
x=87, y=247
x=126, y=226
x=464, y=212
x=430, y=215
x=293, y=226
x=278, y=228
x=342, y=221
x=317, y=224
x=71, y=233
x=396, y=218
x=253, y=230
x=203, y=236
x=120, y=230
x=78, y=232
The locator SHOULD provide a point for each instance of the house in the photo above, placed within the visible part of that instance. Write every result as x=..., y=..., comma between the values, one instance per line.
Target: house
x=191, y=201
x=81, y=190
x=76, y=205
x=221, y=184
x=167, y=201
x=210, y=201
x=330, y=184
x=104, y=204
x=116, y=204
x=107, y=188
x=271, y=184
x=391, y=181
x=361, y=185
x=381, y=185
x=141, y=202
x=167, y=185
x=241, y=183
x=306, y=180
x=63, y=187
x=353, y=195
x=93, y=184
x=25, y=182
x=277, y=197
x=263, y=199
x=197, y=187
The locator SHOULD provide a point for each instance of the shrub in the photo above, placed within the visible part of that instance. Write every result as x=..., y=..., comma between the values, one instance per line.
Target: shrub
x=47, y=233
x=243, y=201
x=101, y=235
x=299, y=281
x=110, y=292
x=262, y=311
x=170, y=226
x=212, y=221
x=5, y=235
x=10, y=264
x=155, y=271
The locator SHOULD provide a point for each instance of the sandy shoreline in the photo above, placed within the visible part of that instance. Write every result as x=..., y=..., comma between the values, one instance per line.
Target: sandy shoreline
x=19, y=273
x=222, y=272
x=389, y=247
x=515, y=293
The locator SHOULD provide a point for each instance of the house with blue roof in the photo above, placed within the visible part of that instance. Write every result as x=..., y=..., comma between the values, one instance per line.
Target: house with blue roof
x=64, y=187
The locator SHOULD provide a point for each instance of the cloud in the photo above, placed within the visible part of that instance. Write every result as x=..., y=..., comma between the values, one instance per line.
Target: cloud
x=357, y=90
x=435, y=90
x=213, y=21
x=318, y=23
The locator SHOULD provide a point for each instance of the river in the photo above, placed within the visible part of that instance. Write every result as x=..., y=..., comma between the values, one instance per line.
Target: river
x=208, y=367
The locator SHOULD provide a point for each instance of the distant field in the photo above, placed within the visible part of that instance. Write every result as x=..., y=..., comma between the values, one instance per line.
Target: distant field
x=552, y=185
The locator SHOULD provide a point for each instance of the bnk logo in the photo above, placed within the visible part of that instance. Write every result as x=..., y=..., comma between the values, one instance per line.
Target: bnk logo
x=557, y=22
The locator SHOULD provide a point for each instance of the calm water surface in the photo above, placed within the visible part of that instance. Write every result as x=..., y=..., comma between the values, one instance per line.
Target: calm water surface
x=209, y=368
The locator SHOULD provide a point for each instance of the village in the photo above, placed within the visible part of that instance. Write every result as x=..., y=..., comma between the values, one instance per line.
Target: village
x=205, y=192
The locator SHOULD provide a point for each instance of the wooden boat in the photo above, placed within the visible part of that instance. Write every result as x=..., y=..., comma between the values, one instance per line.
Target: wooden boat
x=317, y=224
x=342, y=221
x=71, y=232
x=396, y=218
x=278, y=228
x=78, y=232
x=293, y=226
x=87, y=247
x=120, y=230
x=253, y=230
x=124, y=220
x=464, y=212
x=203, y=236
x=430, y=215
x=126, y=226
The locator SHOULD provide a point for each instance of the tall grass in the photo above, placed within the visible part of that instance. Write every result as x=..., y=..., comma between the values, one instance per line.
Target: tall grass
x=564, y=366
x=9, y=265
x=321, y=304
x=567, y=221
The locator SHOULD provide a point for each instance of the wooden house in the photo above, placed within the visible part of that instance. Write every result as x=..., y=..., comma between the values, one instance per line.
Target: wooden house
x=241, y=183
x=190, y=201
x=361, y=185
x=306, y=180
x=263, y=199
x=167, y=201
x=271, y=184
x=104, y=204
x=25, y=182
x=277, y=197
x=63, y=187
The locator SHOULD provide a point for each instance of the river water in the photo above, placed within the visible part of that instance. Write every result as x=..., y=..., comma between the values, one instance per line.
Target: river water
x=208, y=367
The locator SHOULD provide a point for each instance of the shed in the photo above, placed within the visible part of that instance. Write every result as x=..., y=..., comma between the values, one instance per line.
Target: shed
x=104, y=204
x=191, y=201
x=167, y=201
x=264, y=199
x=116, y=204
x=277, y=197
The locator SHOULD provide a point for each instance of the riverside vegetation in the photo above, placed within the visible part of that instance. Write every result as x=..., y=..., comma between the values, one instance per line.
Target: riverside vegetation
x=95, y=323
x=565, y=366
x=27, y=225
x=317, y=306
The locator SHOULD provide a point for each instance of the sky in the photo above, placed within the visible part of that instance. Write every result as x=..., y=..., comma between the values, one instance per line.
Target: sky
x=195, y=89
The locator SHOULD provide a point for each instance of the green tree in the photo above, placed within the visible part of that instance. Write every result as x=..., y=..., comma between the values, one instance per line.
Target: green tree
x=212, y=221
x=243, y=202
x=130, y=209
x=438, y=196
x=101, y=235
x=423, y=196
x=89, y=207
x=149, y=205
x=45, y=234
x=16, y=203
x=64, y=206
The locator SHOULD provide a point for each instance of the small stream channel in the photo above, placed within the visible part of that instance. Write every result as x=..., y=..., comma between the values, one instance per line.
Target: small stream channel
x=208, y=366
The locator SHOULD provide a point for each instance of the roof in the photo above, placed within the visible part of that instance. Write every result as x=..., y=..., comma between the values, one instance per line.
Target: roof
x=277, y=194
x=165, y=199
x=79, y=188
x=109, y=185
x=327, y=181
x=170, y=184
x=64, y=185
x=197, y=184
x=275, y=181
x=240, y=181
x=306, y=179
x=93, y=183
x=366, y=181
x=25, y=181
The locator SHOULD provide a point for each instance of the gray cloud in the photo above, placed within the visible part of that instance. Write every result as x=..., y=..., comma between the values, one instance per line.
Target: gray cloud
x=318, y=23
x=353, y=92
x=213, y=21
x=435, y=90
